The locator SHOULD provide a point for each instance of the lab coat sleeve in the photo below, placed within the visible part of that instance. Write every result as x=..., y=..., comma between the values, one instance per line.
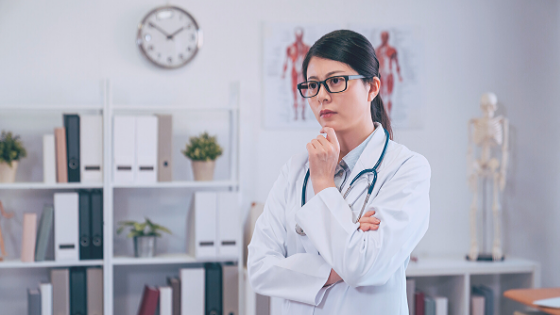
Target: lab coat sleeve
x=299, y=277
x=371, y=258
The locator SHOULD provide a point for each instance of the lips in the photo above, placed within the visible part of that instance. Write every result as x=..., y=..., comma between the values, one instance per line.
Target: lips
x=326, y=112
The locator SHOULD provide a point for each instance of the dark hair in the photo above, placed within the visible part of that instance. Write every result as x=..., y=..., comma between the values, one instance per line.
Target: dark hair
x=356, y=51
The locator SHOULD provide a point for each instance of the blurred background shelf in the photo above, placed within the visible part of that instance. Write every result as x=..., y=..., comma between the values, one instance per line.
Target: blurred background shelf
x=17, y=264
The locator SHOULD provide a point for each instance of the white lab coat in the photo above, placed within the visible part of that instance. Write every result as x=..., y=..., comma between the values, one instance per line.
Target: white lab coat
x=282, y=263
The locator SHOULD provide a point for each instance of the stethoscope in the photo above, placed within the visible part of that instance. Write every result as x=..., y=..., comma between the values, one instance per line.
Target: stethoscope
x=373, y=170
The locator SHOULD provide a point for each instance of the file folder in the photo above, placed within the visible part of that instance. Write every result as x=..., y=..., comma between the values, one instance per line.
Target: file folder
x=165, y=301
x=165, y=148
x=229, y=225
x=205, y=212
x=29, y=237
x=61, y=165
x=49, y=159
x=192, y=291
x=124, y=148
x=46, y=298
x=94, y=291
x=60, y=279
x=78, y=291
x=97, y=224
x=91, y=148
x=175, y=285
x=213, y=288
x=44, y=232
x=85, y=225
x=33, y=302
x=66, y=226
x=230, y=282
x=146, y=149
x=72, y=126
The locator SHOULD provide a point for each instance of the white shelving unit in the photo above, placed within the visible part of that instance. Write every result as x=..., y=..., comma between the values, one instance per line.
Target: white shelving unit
x=454, y=277
x=115, y=264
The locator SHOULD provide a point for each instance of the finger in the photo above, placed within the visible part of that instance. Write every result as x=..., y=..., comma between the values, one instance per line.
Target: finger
x=331, y=135
x=368, y=227
x=369, y=213
x=324, y=142
x=372, y=220
x=317, y=145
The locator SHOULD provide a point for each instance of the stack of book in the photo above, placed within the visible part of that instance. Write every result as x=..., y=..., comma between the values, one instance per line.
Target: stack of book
x=142, y=150
x=77, y=220
x=74, y=153
x=71, y=291
x=212, y=289
x=420, y=303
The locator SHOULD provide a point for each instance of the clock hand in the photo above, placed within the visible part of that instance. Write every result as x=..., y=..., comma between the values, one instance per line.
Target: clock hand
x=157, y=28
x=175, y=33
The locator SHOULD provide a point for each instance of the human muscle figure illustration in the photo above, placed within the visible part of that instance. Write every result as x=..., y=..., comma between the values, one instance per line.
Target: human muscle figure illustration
x=387, y=56
x=294, y=55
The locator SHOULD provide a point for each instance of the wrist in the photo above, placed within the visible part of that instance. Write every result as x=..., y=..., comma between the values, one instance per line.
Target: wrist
x=319, y=185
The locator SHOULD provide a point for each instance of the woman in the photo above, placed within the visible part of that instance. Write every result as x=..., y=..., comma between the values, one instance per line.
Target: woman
x=325, y=257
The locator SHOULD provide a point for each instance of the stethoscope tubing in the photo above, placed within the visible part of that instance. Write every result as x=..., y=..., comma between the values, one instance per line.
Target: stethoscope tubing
x=372, y=170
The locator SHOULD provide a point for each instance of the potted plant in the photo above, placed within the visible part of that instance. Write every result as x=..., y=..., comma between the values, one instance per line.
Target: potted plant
x=144, y=235
x=203, y=152
x=11, y=151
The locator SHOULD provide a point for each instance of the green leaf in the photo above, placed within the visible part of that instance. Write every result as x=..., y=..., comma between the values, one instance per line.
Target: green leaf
x=203, y=148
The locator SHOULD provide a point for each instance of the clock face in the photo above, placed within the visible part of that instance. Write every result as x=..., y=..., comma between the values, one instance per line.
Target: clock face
x=169, y=37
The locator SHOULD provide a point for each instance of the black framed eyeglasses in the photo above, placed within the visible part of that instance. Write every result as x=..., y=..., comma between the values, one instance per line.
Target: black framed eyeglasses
x=336, y=84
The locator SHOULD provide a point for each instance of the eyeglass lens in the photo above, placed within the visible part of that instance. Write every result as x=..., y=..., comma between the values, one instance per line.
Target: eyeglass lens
x=334, y=85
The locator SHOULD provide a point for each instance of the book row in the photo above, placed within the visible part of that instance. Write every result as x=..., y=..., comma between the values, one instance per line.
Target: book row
x=420, y=303
x=142, y=150
x=76, y=290
x=77, y=221
x=212, y=289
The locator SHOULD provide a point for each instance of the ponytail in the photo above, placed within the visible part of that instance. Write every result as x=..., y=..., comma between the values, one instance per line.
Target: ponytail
x=379, y=114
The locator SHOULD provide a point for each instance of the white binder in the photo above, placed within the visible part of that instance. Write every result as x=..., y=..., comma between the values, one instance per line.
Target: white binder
x=67, y=246
x=91, y=148
x=229, y=225
x=192, y=291
x=205, y=212
x=146, y=149
x=49, y=160
x=165, y=301
x=124, y=147
x=46, y=298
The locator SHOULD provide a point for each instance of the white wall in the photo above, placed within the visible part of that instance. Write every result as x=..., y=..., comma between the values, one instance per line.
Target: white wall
x=59, y=51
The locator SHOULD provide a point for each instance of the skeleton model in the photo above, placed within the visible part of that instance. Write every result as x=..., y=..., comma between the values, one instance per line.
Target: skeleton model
x=490, y=134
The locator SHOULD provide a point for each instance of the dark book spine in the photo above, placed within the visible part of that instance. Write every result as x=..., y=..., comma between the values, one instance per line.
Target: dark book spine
x=72, y=126
x=85, y=225
x=78, y=291
x=213, y=287
x=97, y=224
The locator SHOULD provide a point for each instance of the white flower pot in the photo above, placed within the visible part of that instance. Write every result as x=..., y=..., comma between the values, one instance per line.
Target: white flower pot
x=7, y=173
x=203, y=170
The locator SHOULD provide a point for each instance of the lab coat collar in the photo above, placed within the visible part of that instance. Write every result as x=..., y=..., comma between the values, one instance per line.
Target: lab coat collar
x=369, y=156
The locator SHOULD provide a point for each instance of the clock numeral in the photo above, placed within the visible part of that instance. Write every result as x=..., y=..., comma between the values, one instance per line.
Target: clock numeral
x=181, y=56
x=169, y=59
x=189, y=26
x=151, y=47
x=159, y=55
x=188, y=49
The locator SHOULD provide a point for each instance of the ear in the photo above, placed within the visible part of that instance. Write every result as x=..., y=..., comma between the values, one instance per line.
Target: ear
x=374, y=87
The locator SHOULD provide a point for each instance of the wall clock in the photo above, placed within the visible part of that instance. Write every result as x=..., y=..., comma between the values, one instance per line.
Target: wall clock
x=169, y=37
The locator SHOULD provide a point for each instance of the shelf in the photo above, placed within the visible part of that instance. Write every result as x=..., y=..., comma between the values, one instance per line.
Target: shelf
x=41, y=185
x=49, y=108
x=163, y=259
x=166, y=108
x=48, y=264
x=180, y=184
x=458, y=266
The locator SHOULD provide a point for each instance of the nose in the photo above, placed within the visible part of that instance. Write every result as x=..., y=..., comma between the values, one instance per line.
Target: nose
x=323, y=94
